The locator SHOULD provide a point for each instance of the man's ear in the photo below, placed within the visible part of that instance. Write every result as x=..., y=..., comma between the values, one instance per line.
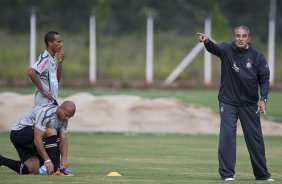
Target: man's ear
x=58, y=110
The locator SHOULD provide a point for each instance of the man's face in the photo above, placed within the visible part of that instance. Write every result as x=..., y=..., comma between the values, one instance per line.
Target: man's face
x=241, y=38
x=65, y=114
x=57, y=44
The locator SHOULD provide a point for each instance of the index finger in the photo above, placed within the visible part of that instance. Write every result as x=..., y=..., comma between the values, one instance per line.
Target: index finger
x=200, y=34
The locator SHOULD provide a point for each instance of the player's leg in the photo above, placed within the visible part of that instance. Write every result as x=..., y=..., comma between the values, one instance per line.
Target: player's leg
x=251, y=126
x=52, y=147
x=15, y=165
x=23, y=142
x=227, y=140
x=33, y=164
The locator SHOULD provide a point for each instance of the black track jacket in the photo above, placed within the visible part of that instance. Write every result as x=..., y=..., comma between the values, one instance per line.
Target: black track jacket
x=244, y=73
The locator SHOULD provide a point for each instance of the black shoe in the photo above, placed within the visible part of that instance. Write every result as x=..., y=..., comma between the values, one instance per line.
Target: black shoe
x=2, y=159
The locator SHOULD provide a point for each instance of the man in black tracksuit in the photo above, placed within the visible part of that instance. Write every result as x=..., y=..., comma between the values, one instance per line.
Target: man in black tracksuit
x=244, y=75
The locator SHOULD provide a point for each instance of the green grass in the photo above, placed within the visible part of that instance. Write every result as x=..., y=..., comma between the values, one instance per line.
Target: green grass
x=147, y=158
x=120, y=59
x=204, y=97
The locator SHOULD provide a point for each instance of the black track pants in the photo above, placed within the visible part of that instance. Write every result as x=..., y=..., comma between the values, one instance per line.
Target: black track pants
x=250, y=121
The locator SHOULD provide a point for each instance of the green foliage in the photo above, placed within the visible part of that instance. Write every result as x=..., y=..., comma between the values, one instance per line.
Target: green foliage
x=220, y=23
x=121, y=58
x=14, y=57
x=238, y=12
x=146, y=158
x=121, y=36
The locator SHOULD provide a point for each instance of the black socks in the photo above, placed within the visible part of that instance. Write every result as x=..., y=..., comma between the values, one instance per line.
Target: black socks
x=16, y=166
x=52, y=148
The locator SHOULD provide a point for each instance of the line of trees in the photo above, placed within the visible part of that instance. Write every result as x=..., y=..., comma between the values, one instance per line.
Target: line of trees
x=128, y=16
x=121, y=36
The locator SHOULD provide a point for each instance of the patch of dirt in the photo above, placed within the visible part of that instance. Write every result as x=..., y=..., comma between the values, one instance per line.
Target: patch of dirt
x=123, y=113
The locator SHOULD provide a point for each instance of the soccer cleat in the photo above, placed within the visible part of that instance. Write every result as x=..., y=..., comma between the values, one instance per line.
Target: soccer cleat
x=68, y=171
x=43, y=170
x=229, y=179
x=1, y=160
x=61, y=172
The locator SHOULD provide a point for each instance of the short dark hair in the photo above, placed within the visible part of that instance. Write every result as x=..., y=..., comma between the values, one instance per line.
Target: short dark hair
x=50, y=36
x=243, y=27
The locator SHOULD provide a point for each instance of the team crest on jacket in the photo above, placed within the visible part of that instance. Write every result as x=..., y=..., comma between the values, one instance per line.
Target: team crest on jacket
x=248, y=64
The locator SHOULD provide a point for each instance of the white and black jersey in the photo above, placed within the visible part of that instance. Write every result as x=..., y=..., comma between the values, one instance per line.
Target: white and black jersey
x=42, y=117
x=46, y=67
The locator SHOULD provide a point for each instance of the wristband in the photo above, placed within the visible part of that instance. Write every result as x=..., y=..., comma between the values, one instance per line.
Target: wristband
x=47, y=161
x=265, y=100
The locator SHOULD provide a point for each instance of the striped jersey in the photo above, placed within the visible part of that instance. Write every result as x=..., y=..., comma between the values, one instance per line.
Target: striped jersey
x=42, y=117
x=46, y=67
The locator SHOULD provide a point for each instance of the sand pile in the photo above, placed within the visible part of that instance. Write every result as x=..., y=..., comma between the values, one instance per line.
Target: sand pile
x=122, y=113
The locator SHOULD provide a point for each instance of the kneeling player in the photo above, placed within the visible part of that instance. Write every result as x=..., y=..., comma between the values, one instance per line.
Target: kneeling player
x=40, y=138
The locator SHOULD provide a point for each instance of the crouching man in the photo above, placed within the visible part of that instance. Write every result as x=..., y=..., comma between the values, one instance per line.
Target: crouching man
x=40, y=138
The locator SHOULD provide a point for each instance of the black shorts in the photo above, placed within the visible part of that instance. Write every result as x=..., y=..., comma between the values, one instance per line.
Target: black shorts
x=23, y=141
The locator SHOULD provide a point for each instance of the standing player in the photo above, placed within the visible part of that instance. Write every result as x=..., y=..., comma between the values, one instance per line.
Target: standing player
x=244, y=75
x=35, y=138
x=46, y=71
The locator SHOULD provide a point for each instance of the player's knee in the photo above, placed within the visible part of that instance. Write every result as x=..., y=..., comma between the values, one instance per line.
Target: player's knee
x=50, y=132
x=51, y=139
x=32, y=164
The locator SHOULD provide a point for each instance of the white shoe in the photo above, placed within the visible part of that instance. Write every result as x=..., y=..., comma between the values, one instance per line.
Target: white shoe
x=229, y=179
x=270, y=179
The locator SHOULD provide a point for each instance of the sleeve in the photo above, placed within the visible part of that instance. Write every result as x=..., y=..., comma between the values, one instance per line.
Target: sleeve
x=64, y=127
x=42, y=63
x=214, y=48
x=41, y=120
x=263, y=77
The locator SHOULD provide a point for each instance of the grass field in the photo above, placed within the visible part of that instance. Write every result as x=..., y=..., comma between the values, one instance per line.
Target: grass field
x=147, y=158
